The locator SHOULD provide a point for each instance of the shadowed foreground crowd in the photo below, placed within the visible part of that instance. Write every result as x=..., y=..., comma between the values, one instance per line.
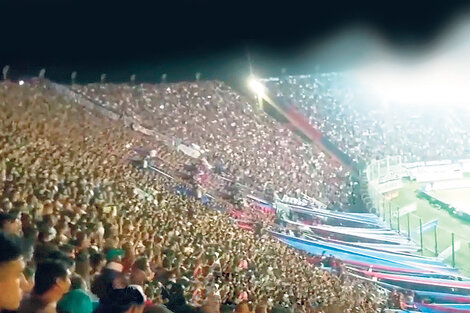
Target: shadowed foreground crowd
x=84, y=231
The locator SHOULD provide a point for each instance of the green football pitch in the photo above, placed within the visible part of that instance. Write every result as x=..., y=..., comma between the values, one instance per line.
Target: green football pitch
x=447, y=224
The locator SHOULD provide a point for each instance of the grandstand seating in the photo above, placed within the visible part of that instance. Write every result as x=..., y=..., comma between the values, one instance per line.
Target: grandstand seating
x=252, y=148
x=66, y=171
x=366, y=127
x=109, y=170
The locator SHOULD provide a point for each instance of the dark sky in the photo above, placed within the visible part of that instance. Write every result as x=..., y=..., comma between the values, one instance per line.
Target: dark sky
x=182, y=37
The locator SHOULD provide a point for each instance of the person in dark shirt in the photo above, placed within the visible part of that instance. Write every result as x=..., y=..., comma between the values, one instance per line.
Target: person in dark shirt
x=50, y=284
x=130, y=299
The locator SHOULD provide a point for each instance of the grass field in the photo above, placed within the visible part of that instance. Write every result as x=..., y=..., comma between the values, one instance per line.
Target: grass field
x=447, y=224
x=454, y=196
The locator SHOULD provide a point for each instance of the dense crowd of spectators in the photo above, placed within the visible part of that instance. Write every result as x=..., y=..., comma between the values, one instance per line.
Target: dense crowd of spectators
x=367, y=127
x=83, y=230
x=233, y=136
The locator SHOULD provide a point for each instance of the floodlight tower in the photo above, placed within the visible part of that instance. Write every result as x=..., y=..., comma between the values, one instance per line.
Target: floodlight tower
x=258, y=88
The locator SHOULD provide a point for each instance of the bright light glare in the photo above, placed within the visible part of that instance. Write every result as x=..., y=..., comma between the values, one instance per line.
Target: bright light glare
x=439, y=78
x=256, y=86
x=21, y=83
x=437, y=82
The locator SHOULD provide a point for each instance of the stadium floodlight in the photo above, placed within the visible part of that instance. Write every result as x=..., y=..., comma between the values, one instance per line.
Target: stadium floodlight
x=257, y=87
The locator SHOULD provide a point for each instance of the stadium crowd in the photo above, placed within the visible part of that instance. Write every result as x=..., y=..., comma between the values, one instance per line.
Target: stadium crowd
x=83, y=230
x=367, y=127
x=233, y=136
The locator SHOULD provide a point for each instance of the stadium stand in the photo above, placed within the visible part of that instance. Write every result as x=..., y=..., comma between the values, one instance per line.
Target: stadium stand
x=366, y=127
x=248, y=146
x=133, y=238
x=187, y=198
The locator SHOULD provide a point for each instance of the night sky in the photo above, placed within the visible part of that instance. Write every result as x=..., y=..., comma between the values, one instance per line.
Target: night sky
x=183, y=37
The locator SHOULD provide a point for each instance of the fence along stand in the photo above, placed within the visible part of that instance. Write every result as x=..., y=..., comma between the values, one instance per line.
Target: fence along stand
x=398, y=219
x=421, y=234
x=453, y=250
x=384, y=215
x=409, y=233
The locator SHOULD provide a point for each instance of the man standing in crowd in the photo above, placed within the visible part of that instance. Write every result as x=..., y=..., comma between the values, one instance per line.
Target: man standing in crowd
x=77, y=300
x=130, y=299
x=50, y=284
x=9, y=222
x=11, y=273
